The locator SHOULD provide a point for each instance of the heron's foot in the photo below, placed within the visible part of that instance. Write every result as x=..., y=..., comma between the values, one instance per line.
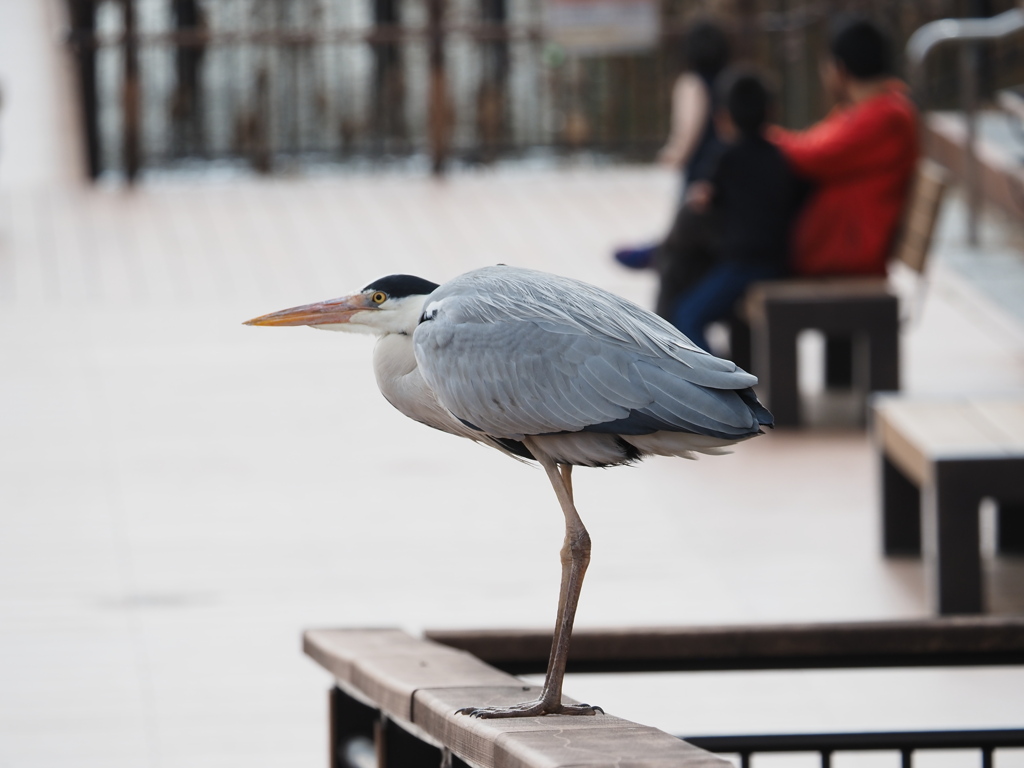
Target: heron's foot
x=530, y=709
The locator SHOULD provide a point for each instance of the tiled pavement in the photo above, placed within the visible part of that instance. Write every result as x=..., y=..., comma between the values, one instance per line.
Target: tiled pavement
x=180, y=495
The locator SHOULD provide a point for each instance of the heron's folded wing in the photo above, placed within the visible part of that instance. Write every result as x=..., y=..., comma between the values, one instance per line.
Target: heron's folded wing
x=517, y=369
x=512, y=378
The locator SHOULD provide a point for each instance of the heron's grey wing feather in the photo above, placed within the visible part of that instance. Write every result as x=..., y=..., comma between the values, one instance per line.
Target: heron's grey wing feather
x=509, y=388
x=702, y=406
x=516, y=352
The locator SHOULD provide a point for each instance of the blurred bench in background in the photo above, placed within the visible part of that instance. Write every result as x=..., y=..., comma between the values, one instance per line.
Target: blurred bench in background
x=859, y=316
x=939, y=459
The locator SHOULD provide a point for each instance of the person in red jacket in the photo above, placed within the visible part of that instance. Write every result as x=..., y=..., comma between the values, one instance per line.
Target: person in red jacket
x=860, y=157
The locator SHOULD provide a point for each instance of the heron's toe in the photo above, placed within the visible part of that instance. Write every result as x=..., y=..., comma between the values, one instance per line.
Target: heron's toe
x=579, y=709
x=529, y=709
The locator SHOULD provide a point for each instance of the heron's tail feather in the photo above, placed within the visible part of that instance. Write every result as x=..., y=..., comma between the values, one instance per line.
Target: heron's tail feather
x=763, y=415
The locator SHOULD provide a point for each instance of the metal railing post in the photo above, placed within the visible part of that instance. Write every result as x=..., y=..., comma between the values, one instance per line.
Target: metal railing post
x=351, y=725
x=82, y=18
x=439, y=108
x=131, y=94
x=397, y=748
x=969, y=103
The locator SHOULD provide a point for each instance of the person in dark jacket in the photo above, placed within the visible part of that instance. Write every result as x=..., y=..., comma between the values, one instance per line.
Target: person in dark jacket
x=751, y=201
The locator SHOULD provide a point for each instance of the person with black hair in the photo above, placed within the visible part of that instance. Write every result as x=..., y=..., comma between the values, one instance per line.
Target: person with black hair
x=860, y=158
x=693, y=144
x=751, y=200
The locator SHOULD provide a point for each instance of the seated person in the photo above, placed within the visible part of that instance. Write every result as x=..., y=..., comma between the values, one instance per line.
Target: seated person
x=860, y=158
x=693, y=144
x=748, y=207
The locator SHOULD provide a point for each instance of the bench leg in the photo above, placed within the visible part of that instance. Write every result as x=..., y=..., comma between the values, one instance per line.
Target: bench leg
x=901, y=512
x=1010, y=529
x=739, y=344
x=884, y=352
x=775, y=361
x=953, y=542
x=838, y=362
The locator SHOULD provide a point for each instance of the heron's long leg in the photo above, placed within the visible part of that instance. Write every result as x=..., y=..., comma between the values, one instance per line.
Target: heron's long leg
x=565, y=470
x=575, y=559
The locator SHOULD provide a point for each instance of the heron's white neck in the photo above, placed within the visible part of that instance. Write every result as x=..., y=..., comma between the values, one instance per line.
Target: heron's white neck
x=399, y=380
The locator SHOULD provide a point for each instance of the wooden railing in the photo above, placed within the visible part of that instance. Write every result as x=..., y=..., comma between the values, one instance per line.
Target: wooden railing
x=401, y=694
x=396, y=696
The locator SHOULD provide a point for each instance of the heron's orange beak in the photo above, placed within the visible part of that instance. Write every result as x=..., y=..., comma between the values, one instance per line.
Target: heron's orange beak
x=328, y=312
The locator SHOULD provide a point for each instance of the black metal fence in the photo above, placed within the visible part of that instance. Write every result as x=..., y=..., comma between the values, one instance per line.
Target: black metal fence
x=363, y=737
x=269, y=84
x=826, y=744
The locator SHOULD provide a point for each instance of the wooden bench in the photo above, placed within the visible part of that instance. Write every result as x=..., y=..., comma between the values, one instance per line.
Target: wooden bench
x=402, y=692
x=859, y=316
x=939, y=459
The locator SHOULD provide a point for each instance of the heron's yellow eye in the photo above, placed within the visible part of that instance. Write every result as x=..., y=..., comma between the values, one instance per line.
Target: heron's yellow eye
x=379, y=297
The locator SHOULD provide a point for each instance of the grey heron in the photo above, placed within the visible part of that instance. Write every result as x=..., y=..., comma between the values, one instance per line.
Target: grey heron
x=550, y=369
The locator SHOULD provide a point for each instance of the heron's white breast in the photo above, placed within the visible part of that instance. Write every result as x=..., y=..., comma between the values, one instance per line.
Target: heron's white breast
x=400, y=381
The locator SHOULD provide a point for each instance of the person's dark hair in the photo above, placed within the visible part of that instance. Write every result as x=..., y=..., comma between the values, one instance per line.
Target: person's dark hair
x=707, y=49
x=861, y=46
x=746, y=98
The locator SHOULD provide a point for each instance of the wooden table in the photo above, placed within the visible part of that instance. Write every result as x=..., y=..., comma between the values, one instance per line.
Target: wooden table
x=940, y=457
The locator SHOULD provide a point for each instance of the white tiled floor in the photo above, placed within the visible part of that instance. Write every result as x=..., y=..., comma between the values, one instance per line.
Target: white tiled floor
x=181, y=495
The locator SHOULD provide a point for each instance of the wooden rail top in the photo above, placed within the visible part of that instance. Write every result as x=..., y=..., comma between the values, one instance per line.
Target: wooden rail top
x=423, y=683
x=947, y=641
x=916, y=432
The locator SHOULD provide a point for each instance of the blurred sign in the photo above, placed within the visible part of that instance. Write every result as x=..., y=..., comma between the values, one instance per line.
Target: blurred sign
x=602, y=26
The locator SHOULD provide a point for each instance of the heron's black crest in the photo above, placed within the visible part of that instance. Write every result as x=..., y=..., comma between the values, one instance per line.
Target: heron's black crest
x=400, y=286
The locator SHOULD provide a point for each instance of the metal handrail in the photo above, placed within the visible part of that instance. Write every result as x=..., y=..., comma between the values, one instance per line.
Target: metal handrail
x=935, y=33
x=967, y=33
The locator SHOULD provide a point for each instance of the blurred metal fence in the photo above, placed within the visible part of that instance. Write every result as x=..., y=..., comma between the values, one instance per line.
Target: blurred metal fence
x=271, y=84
